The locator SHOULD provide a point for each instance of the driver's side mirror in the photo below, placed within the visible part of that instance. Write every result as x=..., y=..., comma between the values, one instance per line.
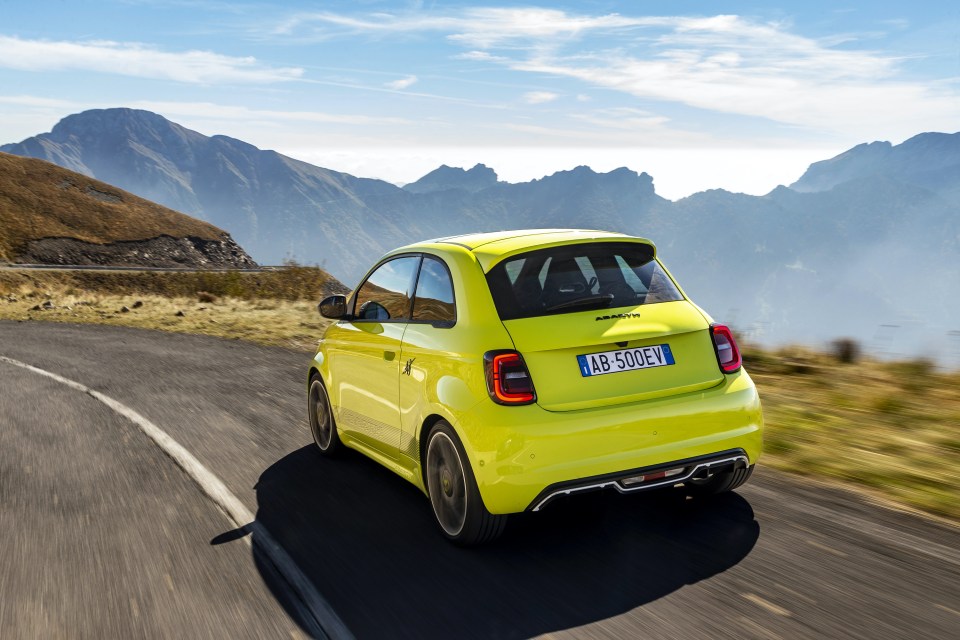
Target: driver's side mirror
x=333, y=307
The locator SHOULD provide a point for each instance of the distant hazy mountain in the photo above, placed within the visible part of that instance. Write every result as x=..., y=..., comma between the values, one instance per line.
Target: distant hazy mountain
x=443, y=178
x=277, y=207
x=861, y=243
x=929, y=160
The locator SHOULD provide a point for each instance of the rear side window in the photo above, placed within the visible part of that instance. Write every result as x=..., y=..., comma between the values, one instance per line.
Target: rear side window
x=434, y=298
x=571, y=278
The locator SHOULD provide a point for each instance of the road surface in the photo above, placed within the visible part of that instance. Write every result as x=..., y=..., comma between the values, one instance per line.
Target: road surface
x=102, y=535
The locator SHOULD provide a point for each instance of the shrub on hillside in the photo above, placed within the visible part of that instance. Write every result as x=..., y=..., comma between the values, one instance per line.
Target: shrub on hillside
x=845, y=350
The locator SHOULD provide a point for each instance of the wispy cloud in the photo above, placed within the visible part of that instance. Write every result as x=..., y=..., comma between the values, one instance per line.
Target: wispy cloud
x=36, y=101
x=481, y=28
x=539, y=97
x=138, y=60
x=626, y=118
x=723, y=64
x=214, y=111
x=402, y=83
x=480, y=56
x=731, y=65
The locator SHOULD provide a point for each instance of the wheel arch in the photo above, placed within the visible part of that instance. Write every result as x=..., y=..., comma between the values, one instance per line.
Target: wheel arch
x=425, y=428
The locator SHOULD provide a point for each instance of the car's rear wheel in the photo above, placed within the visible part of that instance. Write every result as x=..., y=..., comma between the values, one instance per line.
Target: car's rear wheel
x=322, y=426
x=719, y=482
x=457, y=505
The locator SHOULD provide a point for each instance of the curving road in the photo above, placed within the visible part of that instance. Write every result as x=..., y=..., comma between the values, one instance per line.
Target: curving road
x=101, y=535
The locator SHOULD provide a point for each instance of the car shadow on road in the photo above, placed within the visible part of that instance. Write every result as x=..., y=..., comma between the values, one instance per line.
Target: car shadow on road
x=367, y=541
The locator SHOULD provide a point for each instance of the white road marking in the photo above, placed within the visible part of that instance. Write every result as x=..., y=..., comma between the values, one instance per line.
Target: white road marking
x=323, y=615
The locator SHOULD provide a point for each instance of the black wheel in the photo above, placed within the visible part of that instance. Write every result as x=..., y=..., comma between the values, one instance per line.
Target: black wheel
x=457, y=505
x=322, y=425
x=719, y=482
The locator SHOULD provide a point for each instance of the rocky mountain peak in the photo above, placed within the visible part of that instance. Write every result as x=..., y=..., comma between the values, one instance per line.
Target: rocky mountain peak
x=922, y=160
x=444, y=178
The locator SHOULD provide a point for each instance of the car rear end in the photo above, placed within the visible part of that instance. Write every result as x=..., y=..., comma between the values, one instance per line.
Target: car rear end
x=614, y=379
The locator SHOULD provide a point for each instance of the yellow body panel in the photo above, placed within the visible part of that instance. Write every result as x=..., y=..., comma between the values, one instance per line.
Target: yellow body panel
x=647, y=418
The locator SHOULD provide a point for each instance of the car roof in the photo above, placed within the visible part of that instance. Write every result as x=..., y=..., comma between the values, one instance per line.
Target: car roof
x=491, y=248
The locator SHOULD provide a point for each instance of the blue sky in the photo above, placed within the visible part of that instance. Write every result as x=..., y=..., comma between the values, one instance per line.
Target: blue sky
x=698, y=94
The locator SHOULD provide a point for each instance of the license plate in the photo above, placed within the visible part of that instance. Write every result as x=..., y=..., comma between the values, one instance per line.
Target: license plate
x=598, y=364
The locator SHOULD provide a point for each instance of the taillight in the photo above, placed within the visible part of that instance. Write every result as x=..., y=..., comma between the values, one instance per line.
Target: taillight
x=508, y=381
x=728, y=355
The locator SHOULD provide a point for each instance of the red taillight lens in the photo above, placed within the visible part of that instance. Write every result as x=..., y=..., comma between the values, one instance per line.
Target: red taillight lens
x=728, y=355
x=508, y=381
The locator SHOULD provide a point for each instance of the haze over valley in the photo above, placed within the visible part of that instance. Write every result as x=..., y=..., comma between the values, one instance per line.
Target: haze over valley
x=862, y=245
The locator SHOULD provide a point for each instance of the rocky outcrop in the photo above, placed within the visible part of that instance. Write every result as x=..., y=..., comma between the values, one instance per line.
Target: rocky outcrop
x=160, y=252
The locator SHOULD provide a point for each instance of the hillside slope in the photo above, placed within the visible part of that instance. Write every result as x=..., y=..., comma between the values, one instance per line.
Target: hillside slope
x=52, y=215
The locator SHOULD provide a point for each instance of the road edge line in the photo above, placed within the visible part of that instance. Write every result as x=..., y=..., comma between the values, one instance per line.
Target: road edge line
x=323, y=614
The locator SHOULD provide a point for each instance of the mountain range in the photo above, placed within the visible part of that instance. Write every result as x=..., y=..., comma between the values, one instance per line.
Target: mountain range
x=864, y=244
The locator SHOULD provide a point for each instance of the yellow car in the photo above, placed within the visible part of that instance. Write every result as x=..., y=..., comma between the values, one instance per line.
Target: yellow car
x=498, y=371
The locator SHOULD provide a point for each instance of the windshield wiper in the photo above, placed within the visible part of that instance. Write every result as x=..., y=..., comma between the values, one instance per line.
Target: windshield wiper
x=595, y=301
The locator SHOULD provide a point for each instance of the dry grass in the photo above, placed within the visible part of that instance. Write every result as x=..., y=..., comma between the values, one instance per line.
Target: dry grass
x=273, y=307
x=292, y=282
x=40, y=200
x=284, y=323
x=891, y=429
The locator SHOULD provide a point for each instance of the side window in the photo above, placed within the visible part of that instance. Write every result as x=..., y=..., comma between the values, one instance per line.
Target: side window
x=385, y=295
x=434, y=299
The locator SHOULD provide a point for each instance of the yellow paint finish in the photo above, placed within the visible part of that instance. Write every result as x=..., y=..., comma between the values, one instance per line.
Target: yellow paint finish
x=581, y=427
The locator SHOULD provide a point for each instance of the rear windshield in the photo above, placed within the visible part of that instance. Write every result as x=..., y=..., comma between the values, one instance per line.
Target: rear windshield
x=579, y=277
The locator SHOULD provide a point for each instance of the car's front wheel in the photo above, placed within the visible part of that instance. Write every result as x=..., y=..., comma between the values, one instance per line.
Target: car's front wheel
x=457, y=505
x=322, y=426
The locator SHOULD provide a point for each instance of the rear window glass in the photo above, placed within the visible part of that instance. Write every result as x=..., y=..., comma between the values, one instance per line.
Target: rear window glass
x=579, y=277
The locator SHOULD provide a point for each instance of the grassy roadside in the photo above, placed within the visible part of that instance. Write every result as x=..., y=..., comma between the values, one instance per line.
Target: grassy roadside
x=275, y=308
x=891, y=430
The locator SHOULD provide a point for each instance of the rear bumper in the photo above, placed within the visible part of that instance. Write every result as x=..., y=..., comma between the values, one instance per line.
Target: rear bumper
x=523, y=456
x=646, y=478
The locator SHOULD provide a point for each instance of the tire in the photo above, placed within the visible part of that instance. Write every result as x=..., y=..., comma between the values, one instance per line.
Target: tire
x=322, y=425
x=719, y=482
x=457, y=506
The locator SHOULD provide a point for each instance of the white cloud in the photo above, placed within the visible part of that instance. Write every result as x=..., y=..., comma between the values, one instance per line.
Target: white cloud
x=36, y=101
x=723, y=64
x=625, y=118
x=539, y=97
x=484, y=28
x=138, y=60
x=480, y=56
x=402, y=83
x=478, y=27
x=213, y=111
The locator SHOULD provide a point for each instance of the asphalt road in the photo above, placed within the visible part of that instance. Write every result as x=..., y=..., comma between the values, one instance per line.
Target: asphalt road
x=102, y=536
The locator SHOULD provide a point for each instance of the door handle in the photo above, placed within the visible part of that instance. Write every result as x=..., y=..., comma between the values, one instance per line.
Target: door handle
x=389, y=355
